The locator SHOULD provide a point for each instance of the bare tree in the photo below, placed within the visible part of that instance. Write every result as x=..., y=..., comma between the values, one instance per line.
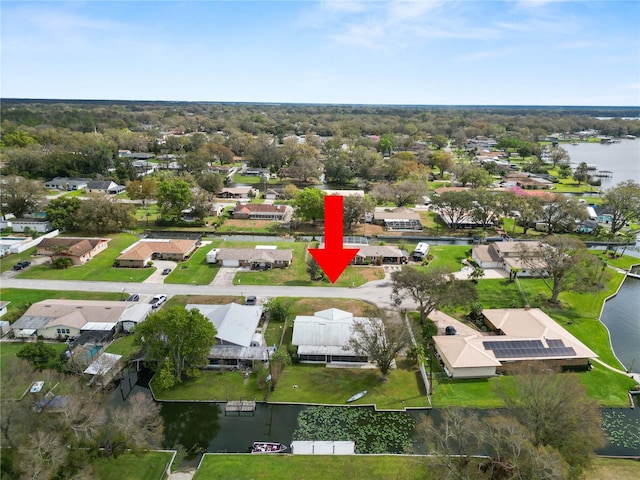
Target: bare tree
x=379, y=338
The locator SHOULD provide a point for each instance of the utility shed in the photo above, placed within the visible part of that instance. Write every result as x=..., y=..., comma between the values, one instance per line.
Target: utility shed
x=323, y=447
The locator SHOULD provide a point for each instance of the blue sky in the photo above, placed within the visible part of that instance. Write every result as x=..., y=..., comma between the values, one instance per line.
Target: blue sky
x=374, y=52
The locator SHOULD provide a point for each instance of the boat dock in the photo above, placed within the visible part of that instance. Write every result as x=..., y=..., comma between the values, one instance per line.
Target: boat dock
x=240, y=406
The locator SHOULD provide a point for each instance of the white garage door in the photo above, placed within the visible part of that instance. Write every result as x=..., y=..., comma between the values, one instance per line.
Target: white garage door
x=231, y=263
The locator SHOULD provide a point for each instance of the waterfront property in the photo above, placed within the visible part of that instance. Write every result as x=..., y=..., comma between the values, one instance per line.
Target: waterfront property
x=323, y=337
x=60, y=319
x=519, y=336
x=398, y=219
x=262, y=211
x=79, y=250
x=239, y=338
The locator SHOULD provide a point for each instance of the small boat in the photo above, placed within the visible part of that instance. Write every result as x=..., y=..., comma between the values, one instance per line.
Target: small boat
x=36, y=387
x=357, y=396
x=268, y=447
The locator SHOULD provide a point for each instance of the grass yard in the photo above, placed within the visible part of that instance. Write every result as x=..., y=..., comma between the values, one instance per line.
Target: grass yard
x=99, y=269
x=333, y=386
x=128, y=466
x=579, y=313
x=448, y=256
x=614, y=469
x=123, y=346
x=213, y=386
x=499, y=293
x=316, y=467
x=196, y=270
x=624, y=262
x=251, y=226
x=472, y=393
x=7, y=263
x=207, y=299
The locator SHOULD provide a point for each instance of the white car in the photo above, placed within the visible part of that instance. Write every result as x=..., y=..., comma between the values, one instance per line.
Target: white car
x=158, y=300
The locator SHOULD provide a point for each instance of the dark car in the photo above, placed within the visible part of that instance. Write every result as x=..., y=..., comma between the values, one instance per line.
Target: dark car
x=251, y=300
x=133, y=298
x=450, y=330
x=21, y=265
x=166, y=271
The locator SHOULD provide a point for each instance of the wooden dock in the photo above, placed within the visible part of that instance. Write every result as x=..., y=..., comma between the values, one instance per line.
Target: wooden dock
x=240, y=406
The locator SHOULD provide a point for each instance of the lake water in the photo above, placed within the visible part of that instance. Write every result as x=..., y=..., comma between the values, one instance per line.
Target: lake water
x=621, y=315
x=623, y=159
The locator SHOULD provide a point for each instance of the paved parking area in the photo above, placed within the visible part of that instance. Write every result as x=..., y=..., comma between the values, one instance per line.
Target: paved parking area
x=157, y=277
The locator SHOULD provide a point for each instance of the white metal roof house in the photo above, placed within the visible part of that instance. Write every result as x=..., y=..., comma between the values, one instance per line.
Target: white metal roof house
x=239, y=339
x=323, y=336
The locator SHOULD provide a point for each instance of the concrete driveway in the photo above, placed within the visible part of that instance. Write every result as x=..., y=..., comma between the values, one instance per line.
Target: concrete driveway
x=157, y=277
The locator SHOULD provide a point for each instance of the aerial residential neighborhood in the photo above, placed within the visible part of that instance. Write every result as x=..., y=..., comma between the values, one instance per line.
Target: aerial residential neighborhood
x=320, y=240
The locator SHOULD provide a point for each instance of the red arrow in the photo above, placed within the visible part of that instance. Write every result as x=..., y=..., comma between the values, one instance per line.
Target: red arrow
x=333, y=258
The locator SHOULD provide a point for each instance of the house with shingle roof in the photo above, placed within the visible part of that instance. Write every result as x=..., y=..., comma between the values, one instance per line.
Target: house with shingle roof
x=255, y=258
x=79, y=250
x=67, y=183
x=506, y=255
x=56, y=319
x=239, y=192
x=261, y=211
x=104, y=186
x=400, y=218
x=519, y=335
x=140, y=253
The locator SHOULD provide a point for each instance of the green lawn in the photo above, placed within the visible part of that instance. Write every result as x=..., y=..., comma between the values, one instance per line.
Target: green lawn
x=315, y=467
x=7, y=263
x=99, y=269
x=448, y=256
x=315, y=384
x=196, y=270
x=123, y=346
x=128, y=466
x=214, y=386
x=321, y=385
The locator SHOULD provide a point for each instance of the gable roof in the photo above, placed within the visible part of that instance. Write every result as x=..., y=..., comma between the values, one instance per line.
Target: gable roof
x=234, y=323
x=255, y=254
x=325, y=332
x=75, y=246
x=145, y=248
x=400, y=213
x=73, y=313
x=249, y=208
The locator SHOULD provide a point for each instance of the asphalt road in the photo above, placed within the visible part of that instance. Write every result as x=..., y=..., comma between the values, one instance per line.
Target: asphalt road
x=377, y=292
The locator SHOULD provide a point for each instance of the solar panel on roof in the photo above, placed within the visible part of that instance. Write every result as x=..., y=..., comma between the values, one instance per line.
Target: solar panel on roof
x=528, y=349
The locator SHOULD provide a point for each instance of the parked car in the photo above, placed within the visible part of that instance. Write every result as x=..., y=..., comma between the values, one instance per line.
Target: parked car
x=134, y=297
x=450, y=330
x=250, y=300
x=158, y=300
x=21, y=265
x=166, y=271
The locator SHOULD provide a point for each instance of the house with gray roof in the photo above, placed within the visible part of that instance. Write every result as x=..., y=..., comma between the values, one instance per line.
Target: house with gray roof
x=59, y=319
x=67, y=183
x=239, y=339
x=104, y=186
x=323, y=337
x=255, y=258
